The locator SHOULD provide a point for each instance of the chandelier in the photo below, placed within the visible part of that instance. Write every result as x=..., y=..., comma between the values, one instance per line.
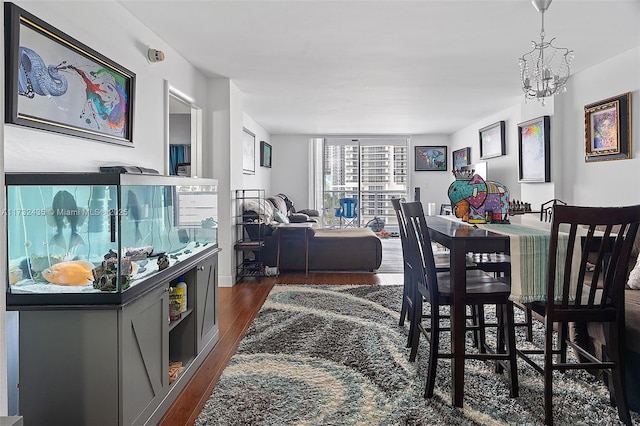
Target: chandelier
x=544, y=70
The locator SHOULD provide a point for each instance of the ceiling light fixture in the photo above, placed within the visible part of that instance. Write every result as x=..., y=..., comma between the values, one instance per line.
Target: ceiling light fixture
x=544, y=70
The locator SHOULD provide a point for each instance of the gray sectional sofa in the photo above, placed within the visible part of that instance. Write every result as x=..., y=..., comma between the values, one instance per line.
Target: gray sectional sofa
x=352, y=249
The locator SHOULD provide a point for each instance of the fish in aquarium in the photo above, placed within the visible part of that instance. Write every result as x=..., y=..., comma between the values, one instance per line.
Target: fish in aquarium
x=133, y=206
x=73, y=272
x=63, y=208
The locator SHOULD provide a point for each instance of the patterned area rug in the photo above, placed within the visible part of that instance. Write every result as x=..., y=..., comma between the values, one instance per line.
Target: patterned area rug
x=335, y=355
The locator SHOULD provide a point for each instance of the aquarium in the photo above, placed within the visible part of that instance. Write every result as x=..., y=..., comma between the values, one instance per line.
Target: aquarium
x=94, y=237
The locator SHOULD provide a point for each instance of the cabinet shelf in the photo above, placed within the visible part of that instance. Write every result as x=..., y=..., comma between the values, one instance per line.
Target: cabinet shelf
x=174, y=323
x=249, y=245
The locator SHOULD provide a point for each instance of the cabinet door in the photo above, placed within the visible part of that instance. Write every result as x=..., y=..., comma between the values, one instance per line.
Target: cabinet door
x=145, y=355
x=207, y=301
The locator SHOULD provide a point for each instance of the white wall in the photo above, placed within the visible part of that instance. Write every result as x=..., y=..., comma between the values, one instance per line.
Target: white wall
x=433, y=184
x=126, y=44
x=573, y=180
x=503, y=169
x=291, y=163
x=605, y=183
x=123, y=39
x=262, y=178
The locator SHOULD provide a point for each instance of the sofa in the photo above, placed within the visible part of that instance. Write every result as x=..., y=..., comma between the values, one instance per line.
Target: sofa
x=353, y=249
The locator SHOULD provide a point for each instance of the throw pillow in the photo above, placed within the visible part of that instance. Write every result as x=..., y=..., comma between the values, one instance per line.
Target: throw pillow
x=279, y=217
x=310, y=212
x=298, y=217
x=634, y=276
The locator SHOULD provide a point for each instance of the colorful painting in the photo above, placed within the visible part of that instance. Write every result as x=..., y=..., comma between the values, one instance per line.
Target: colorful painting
x=56, y=83
x=461, y=158
x=608, y=129
x=533, y=150
x=605, y=130
x=492, y=140
x=430, y=158
x=265, y=154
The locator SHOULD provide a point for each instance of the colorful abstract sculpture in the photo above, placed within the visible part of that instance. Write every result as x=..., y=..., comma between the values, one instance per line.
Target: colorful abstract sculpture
x=475, y=200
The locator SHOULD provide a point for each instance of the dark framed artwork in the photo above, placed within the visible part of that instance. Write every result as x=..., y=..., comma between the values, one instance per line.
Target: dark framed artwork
x=265, y=154
x=430, y=158
x=461, y=158
x=607, y=129
x=56, y=83
x=534, y=146
x=492, y=140
x=248, y=152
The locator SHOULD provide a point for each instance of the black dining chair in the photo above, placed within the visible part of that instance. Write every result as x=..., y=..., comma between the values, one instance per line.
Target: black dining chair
x=546, y=209
x=441, y=261
x=433, y=287
x=609, y=232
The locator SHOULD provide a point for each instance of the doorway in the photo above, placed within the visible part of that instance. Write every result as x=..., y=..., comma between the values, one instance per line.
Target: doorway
x=371, y=169
x=184, y=135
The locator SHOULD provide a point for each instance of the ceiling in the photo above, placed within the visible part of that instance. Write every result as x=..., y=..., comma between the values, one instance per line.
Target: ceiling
x=380, y=67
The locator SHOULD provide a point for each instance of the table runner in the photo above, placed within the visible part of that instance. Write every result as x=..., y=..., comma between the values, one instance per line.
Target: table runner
x=530, y=260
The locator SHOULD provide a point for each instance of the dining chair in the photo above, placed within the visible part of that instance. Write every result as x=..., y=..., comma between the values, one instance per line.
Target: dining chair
x=429, y=285
x=546, y=209
x=441, y=261
x=571, y=298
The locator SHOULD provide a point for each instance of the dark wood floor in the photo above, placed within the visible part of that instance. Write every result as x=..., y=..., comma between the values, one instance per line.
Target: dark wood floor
x=238, y=306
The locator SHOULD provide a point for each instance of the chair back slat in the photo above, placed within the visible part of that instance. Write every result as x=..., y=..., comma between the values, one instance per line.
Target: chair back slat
x=610, y=233
x=402, y=231
x=420, y=250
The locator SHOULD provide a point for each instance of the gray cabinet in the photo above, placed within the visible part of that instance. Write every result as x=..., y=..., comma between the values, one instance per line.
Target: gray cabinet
x=109, y=365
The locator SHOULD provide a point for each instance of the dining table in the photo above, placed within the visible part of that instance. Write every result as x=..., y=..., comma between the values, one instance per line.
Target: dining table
x=527, y=246
x=460, y=238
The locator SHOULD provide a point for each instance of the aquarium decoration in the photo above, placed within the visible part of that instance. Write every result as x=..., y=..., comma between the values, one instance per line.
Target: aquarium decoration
x=163, y=261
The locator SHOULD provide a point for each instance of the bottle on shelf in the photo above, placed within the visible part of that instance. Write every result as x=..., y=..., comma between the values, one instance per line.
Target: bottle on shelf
x=181, y=289
x=174, y=305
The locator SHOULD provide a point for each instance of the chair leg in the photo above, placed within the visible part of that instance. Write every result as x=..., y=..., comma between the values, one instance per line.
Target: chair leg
x=481, y=334
x=403, y=308
x=414, y=329
x=500, y=335
x=562, y=340
x=617, y=385
x=433, y=353
x=548, y=373
x=528, y=319
x=510, y=334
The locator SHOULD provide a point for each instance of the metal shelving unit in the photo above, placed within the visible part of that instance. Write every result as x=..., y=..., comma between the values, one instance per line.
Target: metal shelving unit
x=249, y=261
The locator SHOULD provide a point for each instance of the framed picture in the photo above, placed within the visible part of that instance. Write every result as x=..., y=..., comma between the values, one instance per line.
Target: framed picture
x=461, y=158
x=248, y=152
x=55, y=83
x=265, y=154
x=492, y=140
x=533, y=150
x=607, y=129
x=431, y=158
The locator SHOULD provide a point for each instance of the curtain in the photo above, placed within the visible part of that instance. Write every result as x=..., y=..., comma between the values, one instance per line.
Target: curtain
x=178, y=154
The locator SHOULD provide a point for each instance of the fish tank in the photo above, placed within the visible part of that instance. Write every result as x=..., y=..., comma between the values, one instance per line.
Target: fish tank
x=102, y=238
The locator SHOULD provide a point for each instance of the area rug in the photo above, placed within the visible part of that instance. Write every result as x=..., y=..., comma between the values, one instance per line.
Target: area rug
x=335, y=355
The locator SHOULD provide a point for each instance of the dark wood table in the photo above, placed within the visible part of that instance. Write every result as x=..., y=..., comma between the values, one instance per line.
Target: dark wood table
x=462, y=238
x=300, y=229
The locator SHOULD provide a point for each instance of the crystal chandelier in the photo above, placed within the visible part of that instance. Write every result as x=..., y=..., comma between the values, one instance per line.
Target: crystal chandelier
x=544, y=70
